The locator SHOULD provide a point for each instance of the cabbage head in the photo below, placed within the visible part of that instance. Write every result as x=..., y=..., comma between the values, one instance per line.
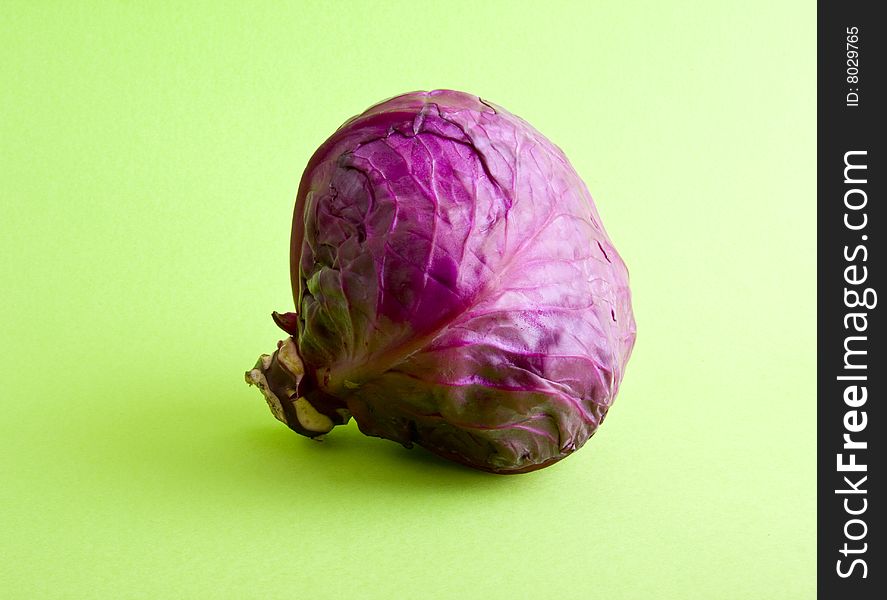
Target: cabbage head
x=454, y=288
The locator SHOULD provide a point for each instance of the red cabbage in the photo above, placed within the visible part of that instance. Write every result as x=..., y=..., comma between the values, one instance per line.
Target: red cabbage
x=454, y=288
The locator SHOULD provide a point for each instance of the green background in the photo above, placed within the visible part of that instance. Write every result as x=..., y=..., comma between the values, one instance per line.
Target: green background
x=150, y=157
